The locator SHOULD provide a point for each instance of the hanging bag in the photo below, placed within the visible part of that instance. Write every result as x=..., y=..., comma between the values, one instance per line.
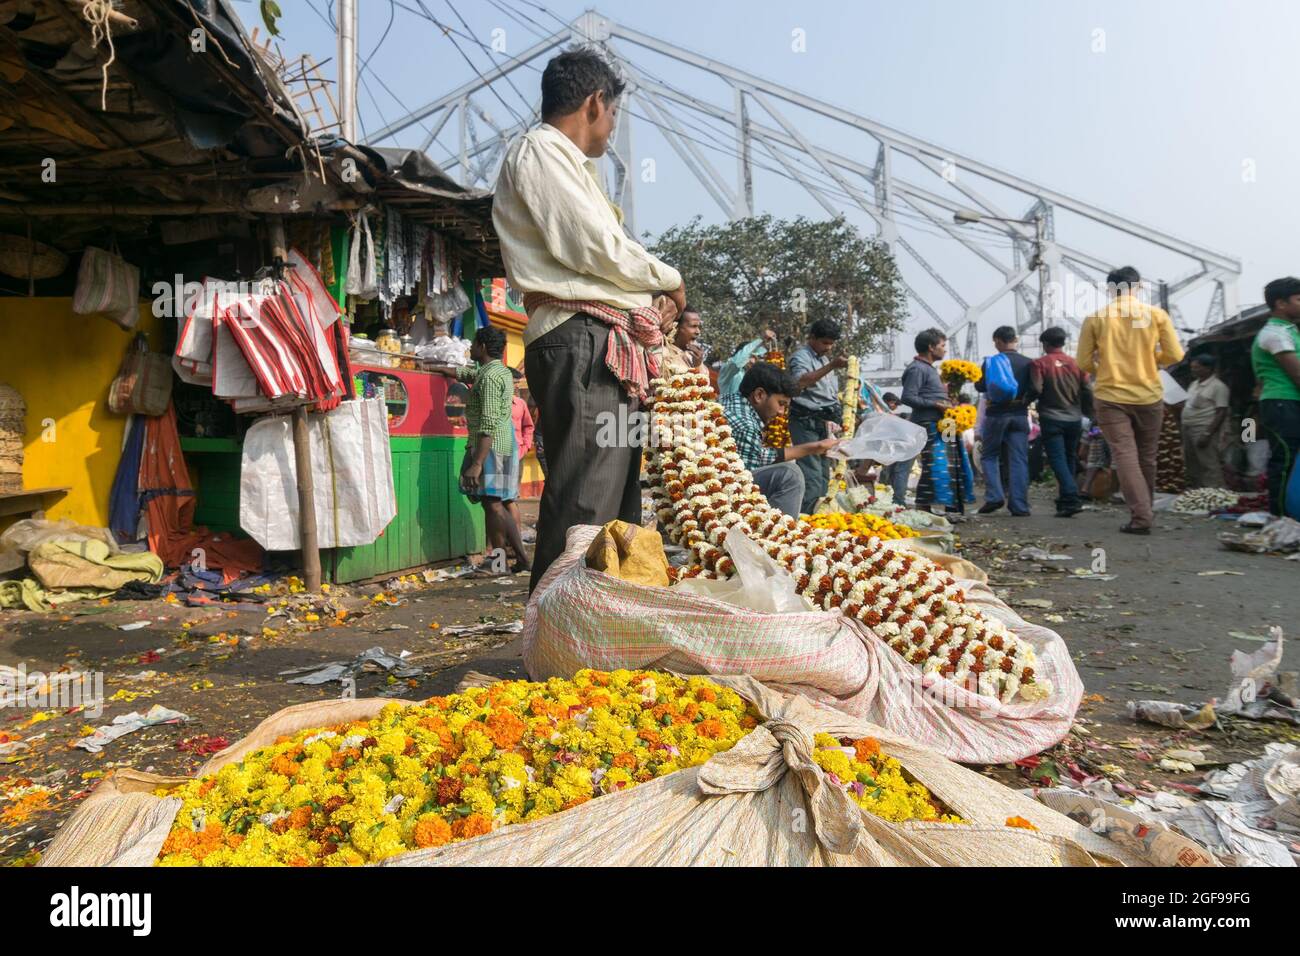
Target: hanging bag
x=143, y=385
x=109, y=285
x=362, y=282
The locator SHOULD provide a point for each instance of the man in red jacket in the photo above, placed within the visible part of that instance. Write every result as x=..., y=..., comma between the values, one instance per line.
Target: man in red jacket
x=1064, y=397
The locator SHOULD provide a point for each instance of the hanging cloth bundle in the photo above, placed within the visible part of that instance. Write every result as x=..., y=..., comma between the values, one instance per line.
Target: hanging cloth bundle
x=362, y=280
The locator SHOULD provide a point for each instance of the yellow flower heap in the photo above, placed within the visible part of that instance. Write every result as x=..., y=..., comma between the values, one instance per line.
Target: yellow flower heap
x=701, y=489
x=962, y=416
x=863, y=525
x=450, y=769
x=956, y=371
x=876, y=781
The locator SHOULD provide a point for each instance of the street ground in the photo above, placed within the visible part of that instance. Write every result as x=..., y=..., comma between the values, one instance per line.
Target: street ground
x=1162, y=628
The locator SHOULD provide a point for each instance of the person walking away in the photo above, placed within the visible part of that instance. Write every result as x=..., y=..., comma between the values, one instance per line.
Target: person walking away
x=1125, y=345
x=489, y=473
x=1204, y=416
x=682, y=351
x=1006, y=424
x=764, y=394
x=597, y=301
x=1064, y=397
x=1275, y=358
x=815, y=407
x=897, y=474
x=925, y=393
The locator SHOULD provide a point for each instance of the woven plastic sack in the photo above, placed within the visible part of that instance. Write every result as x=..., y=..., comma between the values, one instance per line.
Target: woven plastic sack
x=107, y=284
x=579, y=618
x=143, y=385
x=762, y=803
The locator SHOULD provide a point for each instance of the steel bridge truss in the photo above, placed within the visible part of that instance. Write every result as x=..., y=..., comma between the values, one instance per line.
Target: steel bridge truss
x=764, y=118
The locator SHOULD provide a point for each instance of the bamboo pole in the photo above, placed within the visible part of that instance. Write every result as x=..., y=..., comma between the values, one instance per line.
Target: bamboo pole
x=311, y=572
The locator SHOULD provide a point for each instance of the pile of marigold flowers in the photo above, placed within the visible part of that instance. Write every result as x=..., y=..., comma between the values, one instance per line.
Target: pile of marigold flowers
x=962, y=416
x=956, y=371
x=450, y=769
x=863, y=525
x=875, y=781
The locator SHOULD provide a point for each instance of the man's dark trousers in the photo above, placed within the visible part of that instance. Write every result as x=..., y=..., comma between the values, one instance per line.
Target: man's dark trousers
x=587, y=482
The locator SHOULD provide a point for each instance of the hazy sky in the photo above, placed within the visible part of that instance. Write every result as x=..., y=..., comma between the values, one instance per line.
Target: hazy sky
x=1175, y=113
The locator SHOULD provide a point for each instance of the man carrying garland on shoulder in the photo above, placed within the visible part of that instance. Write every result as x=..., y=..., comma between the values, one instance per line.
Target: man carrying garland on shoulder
x=764, y=394
x=598, y=303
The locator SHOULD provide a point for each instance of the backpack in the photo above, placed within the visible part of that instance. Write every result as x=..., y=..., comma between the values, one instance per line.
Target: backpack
x=1000, y=383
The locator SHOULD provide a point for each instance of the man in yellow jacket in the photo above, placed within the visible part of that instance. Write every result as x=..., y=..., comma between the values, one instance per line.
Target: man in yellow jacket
x=1125, y=345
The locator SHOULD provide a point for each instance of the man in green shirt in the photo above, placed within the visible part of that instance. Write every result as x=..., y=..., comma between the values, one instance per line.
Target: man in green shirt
x=490, y=472
x=1275, y=358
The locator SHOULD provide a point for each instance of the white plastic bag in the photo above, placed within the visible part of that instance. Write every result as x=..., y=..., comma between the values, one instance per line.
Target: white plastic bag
x=759, y=584
x=362, y=281
x=352, y=468
x=1174, y=393
x=884, y=439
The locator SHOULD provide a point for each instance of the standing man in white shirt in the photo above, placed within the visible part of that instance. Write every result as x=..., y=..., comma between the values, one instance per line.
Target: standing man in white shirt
x=1205, y=414
x=597, y=301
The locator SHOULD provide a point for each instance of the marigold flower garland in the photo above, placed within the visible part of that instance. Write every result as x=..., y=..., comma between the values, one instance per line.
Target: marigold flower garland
x=776, y=433
x=701, y=490
x=450, y=769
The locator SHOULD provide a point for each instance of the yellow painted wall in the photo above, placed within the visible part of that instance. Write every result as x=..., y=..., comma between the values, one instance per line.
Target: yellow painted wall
x=63, y=364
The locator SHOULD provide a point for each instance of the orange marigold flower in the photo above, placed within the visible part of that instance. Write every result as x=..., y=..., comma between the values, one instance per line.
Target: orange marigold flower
x=300, y=817
x=866, y=748
x=711, y=729
x=706, y=694
x=449, y=789
x=625, y=759
x=505, y=728
x=1020, y=822
x=471, y=826
x=575, y=802
x=431, y=830
x=284, y=765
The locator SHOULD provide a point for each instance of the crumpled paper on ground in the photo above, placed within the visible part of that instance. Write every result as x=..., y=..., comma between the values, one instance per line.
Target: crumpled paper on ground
x=125, y=724
x=375, y=658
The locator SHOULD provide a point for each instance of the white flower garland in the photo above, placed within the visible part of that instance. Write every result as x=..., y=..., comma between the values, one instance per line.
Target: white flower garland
x=701, y=489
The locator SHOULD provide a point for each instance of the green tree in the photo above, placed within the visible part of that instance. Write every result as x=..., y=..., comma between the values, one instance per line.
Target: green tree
x=750, y=274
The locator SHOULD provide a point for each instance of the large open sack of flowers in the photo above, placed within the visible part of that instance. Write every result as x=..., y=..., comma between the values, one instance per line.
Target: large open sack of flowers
x=895, y=639
x=614, y=768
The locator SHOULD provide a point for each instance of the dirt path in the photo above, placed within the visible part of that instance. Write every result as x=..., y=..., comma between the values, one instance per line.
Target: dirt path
x=1159, y=629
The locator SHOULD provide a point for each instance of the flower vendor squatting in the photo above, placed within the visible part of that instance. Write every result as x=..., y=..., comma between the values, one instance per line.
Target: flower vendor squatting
x=765, y=393
x=598, y=303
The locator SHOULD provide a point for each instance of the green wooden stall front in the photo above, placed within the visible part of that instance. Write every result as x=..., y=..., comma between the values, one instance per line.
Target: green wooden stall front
x=434, y=520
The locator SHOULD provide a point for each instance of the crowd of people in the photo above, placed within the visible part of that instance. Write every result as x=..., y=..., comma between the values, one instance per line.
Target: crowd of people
x=606, y=317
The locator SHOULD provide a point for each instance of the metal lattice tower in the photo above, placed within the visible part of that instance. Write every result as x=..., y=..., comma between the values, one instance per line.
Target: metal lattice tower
x=908, y=188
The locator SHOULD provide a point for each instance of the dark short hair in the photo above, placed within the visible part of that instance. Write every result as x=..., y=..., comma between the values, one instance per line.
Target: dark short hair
x=927, y=339
x=768, y=377
x=1280, y=289
x=690, y=308
x=574, y=75
x=517, y=373
x=1124, y=275
x=824, y=329
x=492, y=339
x=1005, y=333
x=1054, y=338
x=891, y=397
x=1208, y=359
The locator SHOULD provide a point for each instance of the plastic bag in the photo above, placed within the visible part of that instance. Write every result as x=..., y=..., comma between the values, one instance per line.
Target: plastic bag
x=999, y=379
x=362, y=282
x=884, y=439
x=25, y=535
x=760, y=584
x=1174, y=393
x=143, y=385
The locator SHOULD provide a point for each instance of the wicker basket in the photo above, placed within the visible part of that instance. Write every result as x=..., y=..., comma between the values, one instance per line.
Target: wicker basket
x=18, y=255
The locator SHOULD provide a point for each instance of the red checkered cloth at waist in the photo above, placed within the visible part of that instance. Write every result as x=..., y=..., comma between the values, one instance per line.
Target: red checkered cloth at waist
x=633, y=333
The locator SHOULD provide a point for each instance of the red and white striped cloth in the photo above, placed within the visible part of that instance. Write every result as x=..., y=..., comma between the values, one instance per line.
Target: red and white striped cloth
x=267, y=350
x=633, y=335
